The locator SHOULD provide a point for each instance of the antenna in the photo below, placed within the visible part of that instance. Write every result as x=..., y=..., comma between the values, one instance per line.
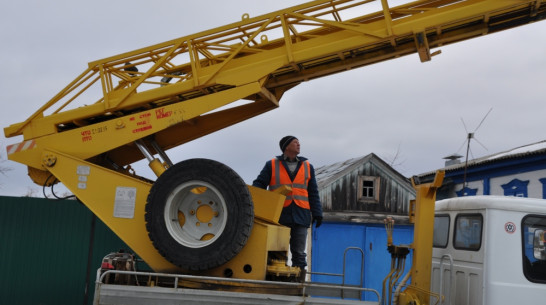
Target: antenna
x=469, y=137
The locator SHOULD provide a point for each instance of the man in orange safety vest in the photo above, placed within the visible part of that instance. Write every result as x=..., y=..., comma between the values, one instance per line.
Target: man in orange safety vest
x=302, y=206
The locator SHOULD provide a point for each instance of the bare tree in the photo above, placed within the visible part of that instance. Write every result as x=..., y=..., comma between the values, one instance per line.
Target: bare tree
x=395, y=160
x=31, y=192
x=3, y=169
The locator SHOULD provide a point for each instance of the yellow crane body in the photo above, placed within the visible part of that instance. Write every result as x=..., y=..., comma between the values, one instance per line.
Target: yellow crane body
x=100, y=189
x=422, y=217
x=139, y=104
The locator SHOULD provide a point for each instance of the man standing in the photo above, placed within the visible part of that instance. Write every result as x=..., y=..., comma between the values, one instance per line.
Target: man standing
x=302, y=205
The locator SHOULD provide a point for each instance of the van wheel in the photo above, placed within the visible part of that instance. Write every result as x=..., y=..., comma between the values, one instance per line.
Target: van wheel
x=199, y=214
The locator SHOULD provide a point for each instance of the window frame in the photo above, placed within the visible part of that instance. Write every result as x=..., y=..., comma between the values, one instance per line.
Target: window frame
x=360, y=194
x=448, y=231
x=525, y=268
x=456, y=232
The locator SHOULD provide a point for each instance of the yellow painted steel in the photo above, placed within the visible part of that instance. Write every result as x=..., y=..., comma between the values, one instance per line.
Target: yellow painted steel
x=157, y=167
x=252, y=261
x=422, y=216
x=119, y=201
x=264, y=207
x=280, y=49
x=91, y=140
x=174, y=92
x=169, y=90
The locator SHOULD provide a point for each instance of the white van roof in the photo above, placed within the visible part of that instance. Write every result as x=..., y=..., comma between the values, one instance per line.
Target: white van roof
x=508, y=203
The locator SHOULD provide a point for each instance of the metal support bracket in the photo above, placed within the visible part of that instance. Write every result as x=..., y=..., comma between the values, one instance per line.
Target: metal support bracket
x=421, y=43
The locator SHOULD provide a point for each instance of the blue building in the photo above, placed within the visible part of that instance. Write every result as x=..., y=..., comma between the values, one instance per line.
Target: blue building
x=519, y=172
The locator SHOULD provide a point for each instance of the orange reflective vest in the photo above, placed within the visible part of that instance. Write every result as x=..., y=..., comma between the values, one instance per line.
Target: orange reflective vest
x=280, y=177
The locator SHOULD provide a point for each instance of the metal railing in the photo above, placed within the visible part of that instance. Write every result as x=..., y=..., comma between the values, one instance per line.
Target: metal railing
x=343, y=274
x=166, y=280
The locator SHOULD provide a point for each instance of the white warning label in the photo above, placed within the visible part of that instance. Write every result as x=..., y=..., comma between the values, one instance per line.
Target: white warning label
x=83, y=172
x=124, y=205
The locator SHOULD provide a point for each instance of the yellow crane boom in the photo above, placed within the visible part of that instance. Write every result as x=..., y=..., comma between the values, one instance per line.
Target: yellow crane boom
x=256, y=59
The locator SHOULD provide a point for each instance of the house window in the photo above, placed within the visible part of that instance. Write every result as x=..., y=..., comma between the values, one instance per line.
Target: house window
x=369, y=189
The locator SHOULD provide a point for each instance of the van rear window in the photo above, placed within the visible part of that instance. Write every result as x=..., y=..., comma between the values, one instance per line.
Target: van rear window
x=468, y=232
x=441, y=231
x=534, y=248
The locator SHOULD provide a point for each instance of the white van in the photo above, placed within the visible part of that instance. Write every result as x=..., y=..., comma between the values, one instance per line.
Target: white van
x=489, y=250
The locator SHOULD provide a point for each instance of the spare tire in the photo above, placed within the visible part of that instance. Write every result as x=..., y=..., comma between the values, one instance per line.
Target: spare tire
x=199, y=214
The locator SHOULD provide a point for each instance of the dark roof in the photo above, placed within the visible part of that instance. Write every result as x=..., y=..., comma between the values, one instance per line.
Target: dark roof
x=514, y=153
x=328, y=173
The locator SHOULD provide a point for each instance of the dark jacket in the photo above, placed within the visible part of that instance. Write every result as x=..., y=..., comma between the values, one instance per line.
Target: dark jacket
x=293, y=214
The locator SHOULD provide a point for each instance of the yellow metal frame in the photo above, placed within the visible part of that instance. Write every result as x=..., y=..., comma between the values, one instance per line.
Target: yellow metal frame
x=97, y=188
x=100, y=188
x=422, y=217
x=280, y=50
x=257, y=60
x=252, y=261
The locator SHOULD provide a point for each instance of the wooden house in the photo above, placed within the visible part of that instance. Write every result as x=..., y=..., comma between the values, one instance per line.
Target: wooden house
x=363, y=189
x=357, y=195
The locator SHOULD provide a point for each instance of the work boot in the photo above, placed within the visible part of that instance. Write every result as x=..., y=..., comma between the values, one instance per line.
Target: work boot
x=302, y=276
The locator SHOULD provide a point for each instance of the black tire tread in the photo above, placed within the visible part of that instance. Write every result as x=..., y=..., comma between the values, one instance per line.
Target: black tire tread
x=224, y=248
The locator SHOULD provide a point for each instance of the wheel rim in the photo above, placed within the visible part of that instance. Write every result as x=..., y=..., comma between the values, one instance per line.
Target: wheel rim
x=195, y=214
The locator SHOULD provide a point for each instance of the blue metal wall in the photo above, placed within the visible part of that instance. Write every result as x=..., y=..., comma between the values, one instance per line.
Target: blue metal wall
x=331, y=240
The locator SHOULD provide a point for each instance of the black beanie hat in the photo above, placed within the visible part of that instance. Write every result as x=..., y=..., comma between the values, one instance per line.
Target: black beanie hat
x=285, y=141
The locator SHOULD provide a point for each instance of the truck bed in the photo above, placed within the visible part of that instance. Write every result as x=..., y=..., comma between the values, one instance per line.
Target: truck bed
x=143, y=288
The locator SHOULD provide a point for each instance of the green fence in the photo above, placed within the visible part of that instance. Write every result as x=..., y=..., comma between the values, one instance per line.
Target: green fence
x=50, y=251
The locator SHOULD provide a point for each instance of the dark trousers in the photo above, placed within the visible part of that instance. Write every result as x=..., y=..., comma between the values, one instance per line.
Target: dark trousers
x=298, y=239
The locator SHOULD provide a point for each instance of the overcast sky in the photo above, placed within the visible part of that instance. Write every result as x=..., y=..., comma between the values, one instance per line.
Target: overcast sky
x=401, y=105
